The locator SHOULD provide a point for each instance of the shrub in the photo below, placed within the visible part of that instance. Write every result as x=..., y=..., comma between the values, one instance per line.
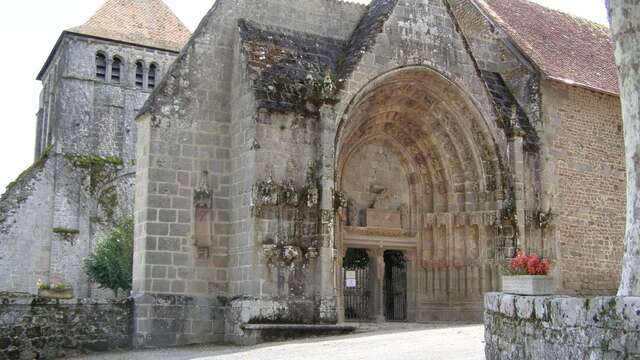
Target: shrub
x=111, y=265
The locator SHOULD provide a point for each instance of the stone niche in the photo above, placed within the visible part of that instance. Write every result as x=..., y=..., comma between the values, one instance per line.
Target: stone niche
x=378, y=193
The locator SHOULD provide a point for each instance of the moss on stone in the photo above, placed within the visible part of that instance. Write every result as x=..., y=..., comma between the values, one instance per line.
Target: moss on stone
x=100, y=170
x=65, y=233
x=108, y=202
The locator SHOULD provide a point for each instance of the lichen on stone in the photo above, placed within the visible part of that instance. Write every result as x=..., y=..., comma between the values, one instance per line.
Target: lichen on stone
x=99, y=170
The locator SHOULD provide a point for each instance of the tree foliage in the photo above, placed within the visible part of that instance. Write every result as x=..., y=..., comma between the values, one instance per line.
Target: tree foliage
x=111, y=265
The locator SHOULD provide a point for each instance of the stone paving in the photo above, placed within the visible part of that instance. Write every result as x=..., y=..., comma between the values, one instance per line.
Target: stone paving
x=387, y=342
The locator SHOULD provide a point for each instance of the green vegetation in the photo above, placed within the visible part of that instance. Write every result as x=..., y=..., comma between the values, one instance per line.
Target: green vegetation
x=67, y=234
x=108, y=202
x=111, y=266
x=355, y=259
x=99, y=169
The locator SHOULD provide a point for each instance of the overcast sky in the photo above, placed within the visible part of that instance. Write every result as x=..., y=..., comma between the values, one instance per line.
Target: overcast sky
x=30, y=28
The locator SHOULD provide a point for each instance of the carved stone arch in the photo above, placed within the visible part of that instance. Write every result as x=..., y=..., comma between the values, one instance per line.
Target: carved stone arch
x=449, y=138
x=403, y=137
x=417, y=186
x=351, y=103
x=442, y=136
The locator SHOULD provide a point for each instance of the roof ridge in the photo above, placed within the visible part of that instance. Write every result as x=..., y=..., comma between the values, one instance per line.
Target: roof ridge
x=592, y=23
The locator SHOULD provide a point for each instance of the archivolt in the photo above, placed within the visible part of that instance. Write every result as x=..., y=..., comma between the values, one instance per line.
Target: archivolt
x=447, y=141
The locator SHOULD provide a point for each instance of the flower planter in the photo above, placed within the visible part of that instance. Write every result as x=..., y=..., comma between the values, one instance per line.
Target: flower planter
x=58, y=294
x=532, y=285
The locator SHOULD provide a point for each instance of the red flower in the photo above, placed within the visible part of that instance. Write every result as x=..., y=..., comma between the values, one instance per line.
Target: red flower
x=531, y=265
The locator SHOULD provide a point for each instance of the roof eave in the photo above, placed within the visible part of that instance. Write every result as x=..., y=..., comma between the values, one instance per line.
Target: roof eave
x=52, y=54
x=45, y=67
x=509, y=41
x=581, y=85
x=173, y=50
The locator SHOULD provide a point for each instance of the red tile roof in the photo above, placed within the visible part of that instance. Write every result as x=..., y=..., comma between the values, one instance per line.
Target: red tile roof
x=566, y=48
x=144, y=22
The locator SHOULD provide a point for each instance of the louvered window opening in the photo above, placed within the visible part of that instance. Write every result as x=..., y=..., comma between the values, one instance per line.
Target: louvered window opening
x=101, y=67
x=151, y=83
x=139, y=75
x=116, y=68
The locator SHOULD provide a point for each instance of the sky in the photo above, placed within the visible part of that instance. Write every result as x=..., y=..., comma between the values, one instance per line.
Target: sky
x=30, y=28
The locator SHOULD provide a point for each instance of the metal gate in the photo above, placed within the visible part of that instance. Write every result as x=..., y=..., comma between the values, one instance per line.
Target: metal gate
x=395, y=291
x=356, y=294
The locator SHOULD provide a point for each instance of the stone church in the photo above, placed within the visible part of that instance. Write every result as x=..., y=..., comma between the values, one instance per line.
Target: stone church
x=317, y=161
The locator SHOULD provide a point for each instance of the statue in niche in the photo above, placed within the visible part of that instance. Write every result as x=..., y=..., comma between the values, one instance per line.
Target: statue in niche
x=266, y=192
x=381, y=199
x=313, y=195
x=202, y=200
x=289, y=193
x=202, y=194
x=352, y=213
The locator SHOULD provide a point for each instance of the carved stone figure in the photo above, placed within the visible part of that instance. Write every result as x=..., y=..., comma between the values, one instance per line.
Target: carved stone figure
x=352, y=213
x=202, y=195
x=313, y=195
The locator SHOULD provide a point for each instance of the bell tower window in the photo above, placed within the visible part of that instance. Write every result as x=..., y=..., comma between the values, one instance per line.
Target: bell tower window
x=139, y=75
x=116, y=69
x=151, y=78
x=101, y=66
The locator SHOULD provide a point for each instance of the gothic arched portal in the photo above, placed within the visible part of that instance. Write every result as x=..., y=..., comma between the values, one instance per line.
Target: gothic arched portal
x=420, y=170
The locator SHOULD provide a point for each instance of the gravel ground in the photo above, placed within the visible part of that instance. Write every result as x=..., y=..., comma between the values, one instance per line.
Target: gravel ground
x=385, y=342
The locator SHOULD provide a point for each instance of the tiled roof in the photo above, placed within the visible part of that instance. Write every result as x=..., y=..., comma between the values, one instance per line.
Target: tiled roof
x=566, y=48
x=144, y=22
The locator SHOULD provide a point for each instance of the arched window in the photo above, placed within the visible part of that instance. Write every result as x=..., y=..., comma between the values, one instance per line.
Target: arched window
x=139, y=74
x=116, y=66
x=152, y=76
x=101, y=66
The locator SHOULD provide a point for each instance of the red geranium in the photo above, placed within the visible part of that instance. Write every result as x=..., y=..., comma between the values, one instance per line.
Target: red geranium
x=529, y=265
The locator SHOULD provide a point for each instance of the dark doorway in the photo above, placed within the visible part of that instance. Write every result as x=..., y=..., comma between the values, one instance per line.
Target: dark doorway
x=395, y=286
x=357, y=296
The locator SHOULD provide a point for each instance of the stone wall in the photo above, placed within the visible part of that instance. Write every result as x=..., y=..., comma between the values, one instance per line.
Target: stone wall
x=79, y=114
x=174, y=320
x=556, y=327
x=35, y=328
x=585, y=169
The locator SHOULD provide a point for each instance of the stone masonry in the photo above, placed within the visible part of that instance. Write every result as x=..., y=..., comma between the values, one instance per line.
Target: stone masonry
x=285, y=133
x=537, y=327
x=87, y=111
x=285, y=129
x=36, y=328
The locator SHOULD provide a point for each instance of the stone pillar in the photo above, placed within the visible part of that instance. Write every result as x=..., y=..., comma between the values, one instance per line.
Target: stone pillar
x=327, y=253
x=516, y=164
x=376, y=257
x=412, y=277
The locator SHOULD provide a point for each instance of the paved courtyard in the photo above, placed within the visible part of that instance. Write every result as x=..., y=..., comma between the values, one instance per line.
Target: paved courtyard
x=389, y=342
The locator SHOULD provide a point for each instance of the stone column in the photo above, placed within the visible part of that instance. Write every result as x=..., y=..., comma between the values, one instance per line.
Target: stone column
x=516, y=164
x=327, y=253
x=412, y=276
x=376, y=257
